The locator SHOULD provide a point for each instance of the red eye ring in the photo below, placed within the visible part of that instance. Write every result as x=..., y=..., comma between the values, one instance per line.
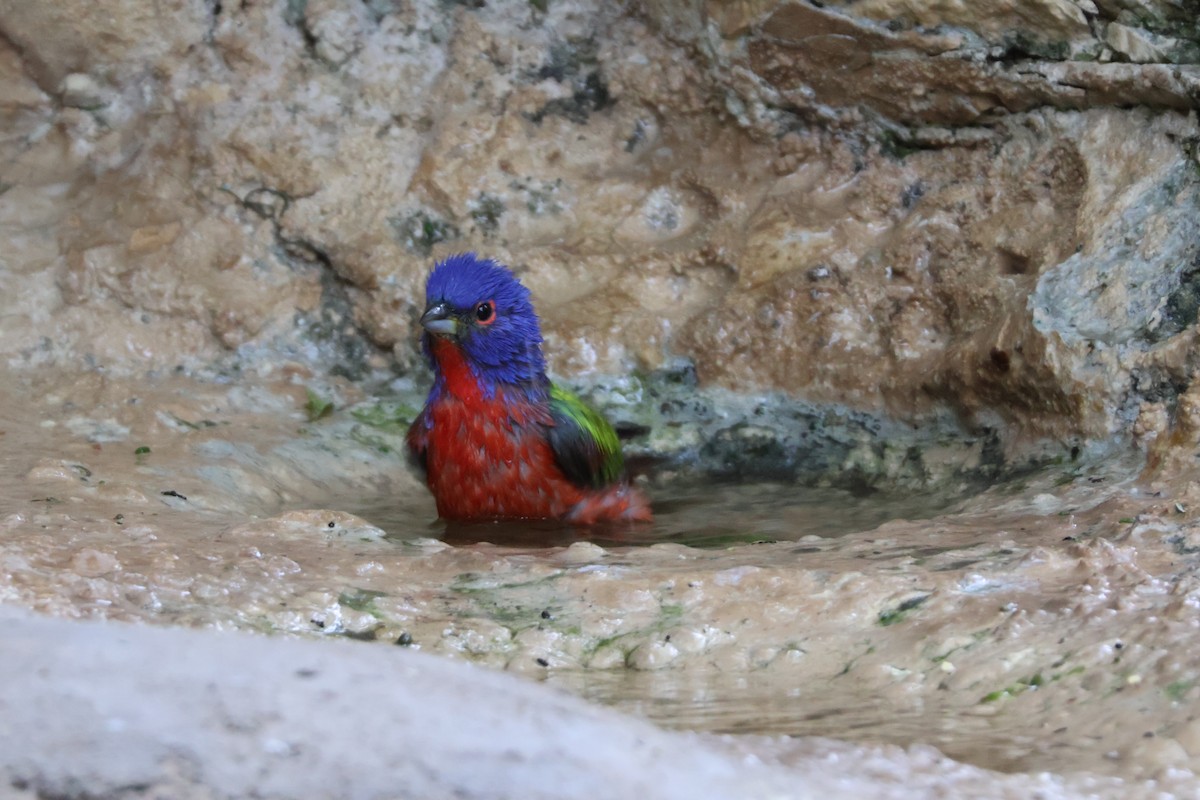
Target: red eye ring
x=485, y=312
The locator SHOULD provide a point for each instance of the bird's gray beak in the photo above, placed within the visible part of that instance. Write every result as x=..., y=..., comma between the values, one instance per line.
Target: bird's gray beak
x=437, y=319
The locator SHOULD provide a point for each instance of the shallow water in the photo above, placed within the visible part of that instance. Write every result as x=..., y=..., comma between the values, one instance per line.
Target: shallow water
x=695, y=513
x=718, y=702
x=1044, y=624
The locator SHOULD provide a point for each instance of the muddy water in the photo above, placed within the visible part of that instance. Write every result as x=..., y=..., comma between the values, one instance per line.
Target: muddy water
x=1049, y=624
x=695, y=513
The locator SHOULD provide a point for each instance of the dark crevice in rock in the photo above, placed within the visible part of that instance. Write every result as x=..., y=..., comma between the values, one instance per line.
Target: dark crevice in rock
x=567, y=60
x=1159, y=385
x=294, y=15
x=590, y=95
x=216, y=9
x=31, y=65
x=268, y=203
x=772, y=437
x=1183, y=304
x=419, y=231
x=1020, y=47
x=334, y=329
x=574, y=61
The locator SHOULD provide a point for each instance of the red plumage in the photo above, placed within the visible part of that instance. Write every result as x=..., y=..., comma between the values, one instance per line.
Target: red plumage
x=489, y=457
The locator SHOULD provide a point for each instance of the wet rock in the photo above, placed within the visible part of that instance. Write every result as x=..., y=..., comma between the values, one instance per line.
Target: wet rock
x=59, y=470
x=1155, y=754
x=91, y=563
x=1189, y=737
x=98, y=430
x=1044, y=614
x=918, y=266
x=583, y=553
x=652, y=655
x=882, y=245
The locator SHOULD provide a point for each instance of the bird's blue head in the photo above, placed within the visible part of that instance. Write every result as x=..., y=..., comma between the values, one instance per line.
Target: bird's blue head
x=479, y=306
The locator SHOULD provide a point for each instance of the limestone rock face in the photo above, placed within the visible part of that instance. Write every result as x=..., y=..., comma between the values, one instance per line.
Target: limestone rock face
x=899, y=206
x=905, y=249
x=919, y=62
x=988, y=286
x=122, y=40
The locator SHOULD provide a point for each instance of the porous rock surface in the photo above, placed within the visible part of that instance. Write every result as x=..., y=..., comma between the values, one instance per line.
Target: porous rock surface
x=895, y=206
x=905, y=209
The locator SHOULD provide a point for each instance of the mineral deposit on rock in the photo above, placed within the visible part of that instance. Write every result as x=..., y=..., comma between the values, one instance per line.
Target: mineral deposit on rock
x=944, y=250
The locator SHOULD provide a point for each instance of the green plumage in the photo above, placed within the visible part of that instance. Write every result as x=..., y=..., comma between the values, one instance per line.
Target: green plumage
x=584, y=443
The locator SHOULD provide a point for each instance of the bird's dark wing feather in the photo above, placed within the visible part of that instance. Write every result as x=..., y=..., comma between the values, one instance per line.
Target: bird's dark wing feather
x=417, y=439
x=585, y=446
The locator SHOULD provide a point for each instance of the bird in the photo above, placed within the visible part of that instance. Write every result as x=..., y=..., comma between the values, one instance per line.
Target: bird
x=497, y=439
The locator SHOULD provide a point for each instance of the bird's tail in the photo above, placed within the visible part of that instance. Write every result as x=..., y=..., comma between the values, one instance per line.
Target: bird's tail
x=621, y=503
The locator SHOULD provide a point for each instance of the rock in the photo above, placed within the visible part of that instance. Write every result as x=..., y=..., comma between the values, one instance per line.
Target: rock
x=1136, y=45
x=92, y=563
x=82, y=91
x=895, y=222
x=918, y=63
x=124, y=39
x=214, y=696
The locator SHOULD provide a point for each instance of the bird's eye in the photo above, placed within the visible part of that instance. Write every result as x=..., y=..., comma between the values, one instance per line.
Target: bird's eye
x=485, y=312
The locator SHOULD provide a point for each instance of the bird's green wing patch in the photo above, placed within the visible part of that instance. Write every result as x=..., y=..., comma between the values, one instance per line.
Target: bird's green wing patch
x=585, y=446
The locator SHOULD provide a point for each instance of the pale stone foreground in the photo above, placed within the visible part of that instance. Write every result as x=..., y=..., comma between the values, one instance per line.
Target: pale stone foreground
x=108, y=710
x=106, y=707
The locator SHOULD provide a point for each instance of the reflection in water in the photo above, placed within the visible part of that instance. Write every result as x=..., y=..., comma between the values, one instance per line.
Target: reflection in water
x=706, y=515
x=764, y=704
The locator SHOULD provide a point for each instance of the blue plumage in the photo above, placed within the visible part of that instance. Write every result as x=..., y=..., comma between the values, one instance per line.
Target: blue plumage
x=509, y=351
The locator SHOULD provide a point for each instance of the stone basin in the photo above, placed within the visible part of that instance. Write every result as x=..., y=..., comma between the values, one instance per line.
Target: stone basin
x=894, y=304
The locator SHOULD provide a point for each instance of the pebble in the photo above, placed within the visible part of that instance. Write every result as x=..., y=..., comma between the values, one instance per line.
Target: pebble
x=79, y=90
x=583, y=553
x=653, y=656
x=92, y=563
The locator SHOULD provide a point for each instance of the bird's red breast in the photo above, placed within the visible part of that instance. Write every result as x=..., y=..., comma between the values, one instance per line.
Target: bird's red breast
x=489, y=458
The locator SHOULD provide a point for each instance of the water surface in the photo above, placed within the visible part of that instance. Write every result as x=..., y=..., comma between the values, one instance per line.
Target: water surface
x=696, y=513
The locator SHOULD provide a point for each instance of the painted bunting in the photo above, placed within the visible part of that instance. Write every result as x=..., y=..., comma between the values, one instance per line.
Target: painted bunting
x=497, y=439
